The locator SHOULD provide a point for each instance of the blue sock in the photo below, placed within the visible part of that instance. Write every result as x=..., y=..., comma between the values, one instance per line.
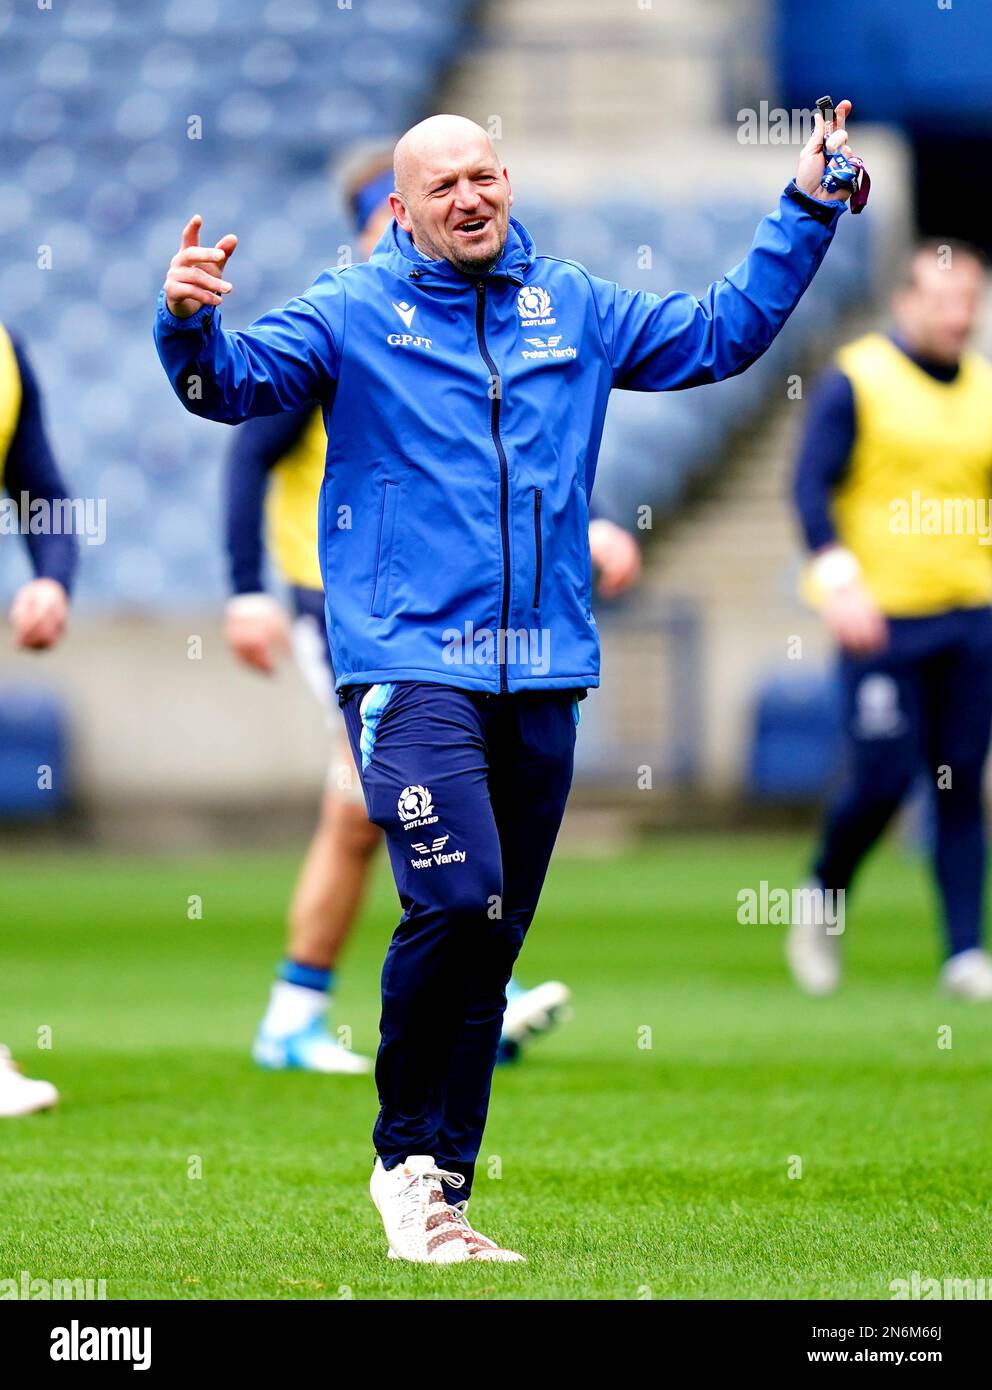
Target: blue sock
x=306, y=976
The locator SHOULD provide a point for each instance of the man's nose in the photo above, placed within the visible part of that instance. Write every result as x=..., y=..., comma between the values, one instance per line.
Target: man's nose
x=467, y=195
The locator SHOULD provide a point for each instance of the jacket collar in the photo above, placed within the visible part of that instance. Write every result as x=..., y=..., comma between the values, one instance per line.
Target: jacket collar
x=395, y=250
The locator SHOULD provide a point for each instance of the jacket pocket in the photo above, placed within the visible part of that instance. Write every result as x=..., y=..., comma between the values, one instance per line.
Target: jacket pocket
x=384, y=549
x=538, y=546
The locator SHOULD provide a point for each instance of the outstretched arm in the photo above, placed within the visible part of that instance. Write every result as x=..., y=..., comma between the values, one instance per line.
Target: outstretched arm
x=664, y=344
x=284, y=359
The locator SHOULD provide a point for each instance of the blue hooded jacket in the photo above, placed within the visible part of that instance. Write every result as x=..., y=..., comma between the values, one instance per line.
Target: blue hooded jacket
x=464, y=419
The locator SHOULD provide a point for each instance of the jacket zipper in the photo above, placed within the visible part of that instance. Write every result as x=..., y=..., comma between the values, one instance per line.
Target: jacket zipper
x=504, y=481
x=537, y=545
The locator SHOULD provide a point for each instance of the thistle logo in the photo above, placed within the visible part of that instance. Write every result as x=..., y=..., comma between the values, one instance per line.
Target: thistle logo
x=415, y=807
x=534, y=307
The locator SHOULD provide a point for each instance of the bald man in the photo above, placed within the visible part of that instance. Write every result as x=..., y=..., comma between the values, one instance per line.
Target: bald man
x=276, y=465
x=464, y=381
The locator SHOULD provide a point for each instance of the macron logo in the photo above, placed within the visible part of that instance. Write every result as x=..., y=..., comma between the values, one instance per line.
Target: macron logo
x=406, y=311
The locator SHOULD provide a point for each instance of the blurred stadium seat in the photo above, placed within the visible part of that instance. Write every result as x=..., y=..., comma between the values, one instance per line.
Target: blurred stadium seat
x=796, y=745
x=34, y=772
x=280, y=90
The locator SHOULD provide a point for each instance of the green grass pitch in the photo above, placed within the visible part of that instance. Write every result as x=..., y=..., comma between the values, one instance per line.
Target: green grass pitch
x=622, y=1170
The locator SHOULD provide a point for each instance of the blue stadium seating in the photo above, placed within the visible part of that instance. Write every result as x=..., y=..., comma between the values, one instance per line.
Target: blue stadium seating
x=34, y=772
x=97, y=166
x=796, y=744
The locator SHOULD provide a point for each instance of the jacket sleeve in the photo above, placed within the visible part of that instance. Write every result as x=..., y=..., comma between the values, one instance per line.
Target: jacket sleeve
x=665, y=344
x=258, y=446
x=284, y=359
x=824, y=455
x=31, y=475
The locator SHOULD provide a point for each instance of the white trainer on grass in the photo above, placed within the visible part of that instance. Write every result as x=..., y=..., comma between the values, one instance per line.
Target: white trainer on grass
x=420, y=1225
x=968, y=975
x=309, y=1049
x=19, y=1095
x=812, y=950
x=482, y=1248
x=533, y=1011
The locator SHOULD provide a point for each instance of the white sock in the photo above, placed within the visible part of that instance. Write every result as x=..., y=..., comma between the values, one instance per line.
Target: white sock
x=292, y=1008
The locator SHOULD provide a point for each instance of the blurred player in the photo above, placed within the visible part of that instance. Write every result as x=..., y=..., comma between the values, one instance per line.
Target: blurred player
x=29, y=476
x=892, y=488
x=459, y=603
x=276, y=466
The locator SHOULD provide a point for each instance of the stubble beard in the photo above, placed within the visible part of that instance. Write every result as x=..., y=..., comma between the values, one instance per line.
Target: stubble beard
x=470, y=266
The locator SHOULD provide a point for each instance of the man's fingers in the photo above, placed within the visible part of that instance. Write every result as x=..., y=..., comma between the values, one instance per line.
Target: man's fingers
x=196, y=283
x=196, y=275
x=225, y=249
x=195, y=271
x=841, y=112
x=258, y=656
x=37, y=625
x=816, y=139
x=178, y=290
x=191, y=232
x=41, y=633
x=198, y=255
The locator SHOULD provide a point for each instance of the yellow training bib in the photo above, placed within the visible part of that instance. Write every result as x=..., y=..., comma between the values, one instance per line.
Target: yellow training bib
x=10, y=397
x=914, y=504
x=291, y=507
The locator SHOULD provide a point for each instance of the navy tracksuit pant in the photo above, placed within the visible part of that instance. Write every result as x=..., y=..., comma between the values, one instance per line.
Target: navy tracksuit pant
x=470, y=790
x=923, y=703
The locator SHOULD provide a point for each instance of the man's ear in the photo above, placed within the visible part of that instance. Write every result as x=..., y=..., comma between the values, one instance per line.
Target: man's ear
x=509, y=190
x=398, y=209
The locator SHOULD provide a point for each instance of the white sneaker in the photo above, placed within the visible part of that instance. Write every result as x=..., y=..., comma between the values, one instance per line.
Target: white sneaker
x=813, y=953
x=18, y=1094
x=310, y=1049
x=420, y=1225
x=968, y=975
x=536, y=1010
x=482, y=1248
